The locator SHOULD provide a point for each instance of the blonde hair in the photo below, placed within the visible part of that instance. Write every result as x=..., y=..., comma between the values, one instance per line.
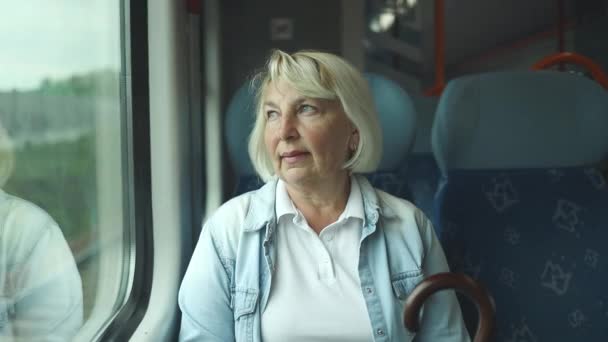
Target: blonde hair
x=322, y=75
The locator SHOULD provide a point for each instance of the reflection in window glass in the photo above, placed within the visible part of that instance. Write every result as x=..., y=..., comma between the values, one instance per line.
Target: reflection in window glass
x=62, y=226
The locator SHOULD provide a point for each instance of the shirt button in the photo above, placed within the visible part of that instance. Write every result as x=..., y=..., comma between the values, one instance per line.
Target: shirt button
x=380, y=332
x=369, y=290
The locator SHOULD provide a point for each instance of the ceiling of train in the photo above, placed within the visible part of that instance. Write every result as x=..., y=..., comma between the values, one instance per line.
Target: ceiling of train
x=473, y=28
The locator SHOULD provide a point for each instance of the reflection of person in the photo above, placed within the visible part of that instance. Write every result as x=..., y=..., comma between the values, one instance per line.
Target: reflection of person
x=40, y=288
x=316, y=254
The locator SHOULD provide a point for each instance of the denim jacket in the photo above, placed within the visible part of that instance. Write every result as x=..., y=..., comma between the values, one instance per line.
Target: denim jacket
x=226, y=286
x=40, y=287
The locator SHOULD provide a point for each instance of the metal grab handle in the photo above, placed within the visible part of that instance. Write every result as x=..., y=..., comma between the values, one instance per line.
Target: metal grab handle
x=461, y=283
x=571, y=57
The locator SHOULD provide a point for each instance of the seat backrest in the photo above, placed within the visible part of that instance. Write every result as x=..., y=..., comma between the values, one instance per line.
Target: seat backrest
x=520, y=119
x=397, y=120
x=522, y=207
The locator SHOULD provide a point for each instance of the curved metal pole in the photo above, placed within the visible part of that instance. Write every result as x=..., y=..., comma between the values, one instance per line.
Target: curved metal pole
x=596, y=70
x=460, y=283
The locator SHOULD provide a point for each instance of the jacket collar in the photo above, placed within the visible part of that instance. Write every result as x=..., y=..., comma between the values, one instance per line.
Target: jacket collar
x=262, y=206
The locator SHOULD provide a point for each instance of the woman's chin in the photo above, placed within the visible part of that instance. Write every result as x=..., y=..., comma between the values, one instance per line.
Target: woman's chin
x=298, y=176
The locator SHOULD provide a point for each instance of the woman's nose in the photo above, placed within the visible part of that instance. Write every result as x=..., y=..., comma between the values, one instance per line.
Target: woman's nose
x=288, y=129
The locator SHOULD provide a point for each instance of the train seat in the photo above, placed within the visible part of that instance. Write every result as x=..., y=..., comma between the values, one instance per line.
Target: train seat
x=522, y=203
x=421, y=171
x=397, y=119
x=239, y=120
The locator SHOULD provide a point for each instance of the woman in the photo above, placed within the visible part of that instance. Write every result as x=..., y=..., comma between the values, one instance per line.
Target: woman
x=40, y=287
x=316, y=254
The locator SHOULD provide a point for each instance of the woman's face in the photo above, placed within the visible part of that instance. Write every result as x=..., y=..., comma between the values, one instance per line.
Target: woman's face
x=307, y=139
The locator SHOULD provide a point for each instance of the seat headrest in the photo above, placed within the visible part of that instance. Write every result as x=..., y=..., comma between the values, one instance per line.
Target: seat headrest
x=395, y=109
x=397, y=117
x=240, y=117
x=520, y=119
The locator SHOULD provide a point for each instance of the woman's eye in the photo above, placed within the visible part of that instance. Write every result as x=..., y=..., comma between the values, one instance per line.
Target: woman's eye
x=271, y=115
x=307, y=109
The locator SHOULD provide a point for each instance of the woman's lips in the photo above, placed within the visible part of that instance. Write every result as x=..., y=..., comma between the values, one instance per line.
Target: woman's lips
x=293, y=157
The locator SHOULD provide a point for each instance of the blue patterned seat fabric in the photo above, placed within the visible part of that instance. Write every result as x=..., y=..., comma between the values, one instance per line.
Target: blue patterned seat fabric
x=397, y=119
x=423, y=176
x=519, y=206
x=536, y=239
x=392, y=182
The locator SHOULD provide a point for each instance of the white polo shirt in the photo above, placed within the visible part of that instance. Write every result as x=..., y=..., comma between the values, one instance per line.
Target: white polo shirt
x=316, y=292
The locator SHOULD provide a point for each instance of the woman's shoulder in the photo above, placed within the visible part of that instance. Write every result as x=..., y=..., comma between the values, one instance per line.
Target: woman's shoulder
x=397, y=206
x=233, y=208
x=394, y=201
x=406, y=226
x=245, y=212
x=19, y=215
x=404, y=212
x=392, y=208
x=231, y=214
x=23, y=224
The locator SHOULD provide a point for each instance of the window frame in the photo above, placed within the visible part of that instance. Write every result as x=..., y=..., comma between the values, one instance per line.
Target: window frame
x=137, y=196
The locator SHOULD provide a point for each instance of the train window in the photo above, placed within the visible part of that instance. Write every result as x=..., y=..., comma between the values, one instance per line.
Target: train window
x=65, y=218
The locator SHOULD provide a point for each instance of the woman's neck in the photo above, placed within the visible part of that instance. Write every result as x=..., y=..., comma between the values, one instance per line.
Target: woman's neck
x=322, y=204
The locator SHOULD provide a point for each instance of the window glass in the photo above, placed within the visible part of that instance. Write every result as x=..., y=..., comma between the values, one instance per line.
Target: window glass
x=63, y=263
